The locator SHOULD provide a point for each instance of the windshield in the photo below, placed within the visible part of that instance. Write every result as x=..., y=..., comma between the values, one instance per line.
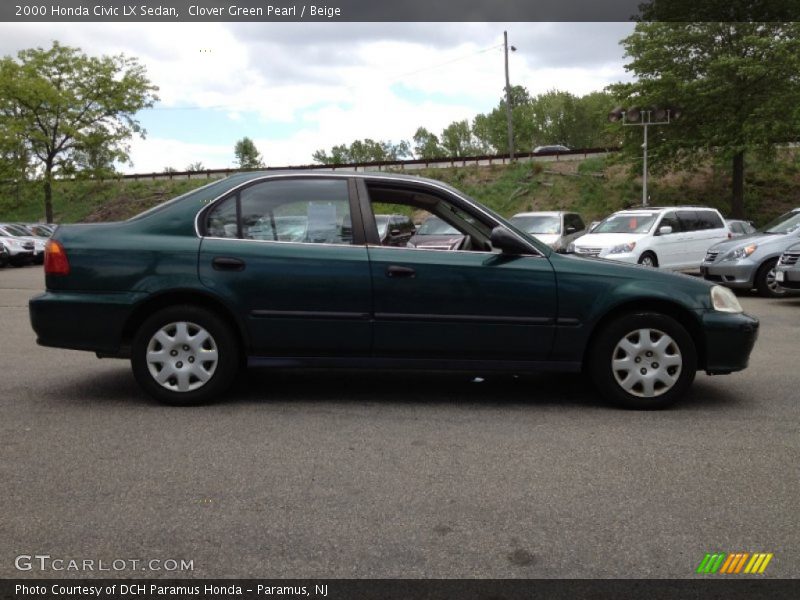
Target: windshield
x=542, y=224
x=15, y=231
x=627, y=223
x=784, y=224
x=435, y=226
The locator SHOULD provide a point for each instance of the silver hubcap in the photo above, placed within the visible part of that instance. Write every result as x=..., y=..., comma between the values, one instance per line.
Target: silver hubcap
x=647, y=261
x=182, y=356
x=646, y=363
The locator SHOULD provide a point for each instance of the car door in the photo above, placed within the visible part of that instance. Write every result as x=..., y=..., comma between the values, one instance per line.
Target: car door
x=669, y=247
x=460, y=304
x=285, y=255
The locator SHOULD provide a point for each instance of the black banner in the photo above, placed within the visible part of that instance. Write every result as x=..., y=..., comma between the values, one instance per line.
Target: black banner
x=405, y=589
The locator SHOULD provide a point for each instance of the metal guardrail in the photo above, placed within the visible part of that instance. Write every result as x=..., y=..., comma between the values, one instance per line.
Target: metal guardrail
x=412, y=164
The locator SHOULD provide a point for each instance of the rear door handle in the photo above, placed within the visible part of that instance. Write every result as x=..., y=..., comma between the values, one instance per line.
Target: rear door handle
x=227, y=263
x=398, y=271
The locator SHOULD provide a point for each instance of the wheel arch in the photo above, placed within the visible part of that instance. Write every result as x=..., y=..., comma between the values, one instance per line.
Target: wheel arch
x=685, y=317
x=177, y=297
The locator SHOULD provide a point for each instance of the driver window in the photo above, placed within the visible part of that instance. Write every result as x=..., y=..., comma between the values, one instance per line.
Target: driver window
x=407, y=220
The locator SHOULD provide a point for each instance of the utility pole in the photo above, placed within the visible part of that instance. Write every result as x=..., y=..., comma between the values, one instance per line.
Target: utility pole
x=508, y=100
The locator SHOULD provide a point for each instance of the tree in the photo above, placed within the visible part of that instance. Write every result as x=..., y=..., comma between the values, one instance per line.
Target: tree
x=247, y=155
x=457, y=139
x=195, y=167
x=62, y=102
x=737, y=84
x=426, y=144
x=363, y=151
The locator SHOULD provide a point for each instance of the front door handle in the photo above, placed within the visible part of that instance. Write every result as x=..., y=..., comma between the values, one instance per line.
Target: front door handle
x=227, y=263
x=398, y=271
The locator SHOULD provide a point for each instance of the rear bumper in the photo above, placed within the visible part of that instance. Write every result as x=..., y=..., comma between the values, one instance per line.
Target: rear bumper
x=729, y=339
x=81, y=321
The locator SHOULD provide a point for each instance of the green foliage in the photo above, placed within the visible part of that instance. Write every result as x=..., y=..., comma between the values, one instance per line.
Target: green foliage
x=70, y=112
x=247, y=155
x=426, y=144
x=736, y=83
x=361, y=151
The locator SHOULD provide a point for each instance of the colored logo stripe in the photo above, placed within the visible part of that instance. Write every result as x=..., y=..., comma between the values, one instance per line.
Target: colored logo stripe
x=734, y=563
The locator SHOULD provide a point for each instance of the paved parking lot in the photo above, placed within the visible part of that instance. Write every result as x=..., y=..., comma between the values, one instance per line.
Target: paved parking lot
x=394, y=475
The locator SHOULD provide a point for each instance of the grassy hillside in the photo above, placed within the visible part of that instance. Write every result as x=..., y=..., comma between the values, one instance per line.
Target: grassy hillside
x=594, y=187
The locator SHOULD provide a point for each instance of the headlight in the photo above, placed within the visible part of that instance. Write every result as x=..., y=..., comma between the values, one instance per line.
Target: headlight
x=623, y=248
x=724, y=300
x=741, y=252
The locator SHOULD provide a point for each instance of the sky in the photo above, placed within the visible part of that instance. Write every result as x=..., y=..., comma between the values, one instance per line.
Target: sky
x=295, y=88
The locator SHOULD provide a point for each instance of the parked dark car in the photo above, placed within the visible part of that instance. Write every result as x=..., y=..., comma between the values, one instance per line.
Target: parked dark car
x=437, y=234
x=187, y=294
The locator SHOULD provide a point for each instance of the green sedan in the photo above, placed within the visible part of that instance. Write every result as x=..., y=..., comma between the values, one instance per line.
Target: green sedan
x=287, y=270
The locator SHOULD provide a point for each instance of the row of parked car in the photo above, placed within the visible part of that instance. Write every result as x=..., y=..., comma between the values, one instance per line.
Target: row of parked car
x=23, y=243
x=732, y=253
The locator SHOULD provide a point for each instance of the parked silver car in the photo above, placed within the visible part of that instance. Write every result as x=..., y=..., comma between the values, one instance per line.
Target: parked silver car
x=20, y=251
x=557, y=229
x=787, y=272
x=740, y=228
x=12, y=230
x=749, y=262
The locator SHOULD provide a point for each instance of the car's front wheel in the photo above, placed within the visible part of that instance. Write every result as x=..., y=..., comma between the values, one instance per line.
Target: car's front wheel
x=185, y=355
x=766, y=283
x=648, y=259
x=643, y=361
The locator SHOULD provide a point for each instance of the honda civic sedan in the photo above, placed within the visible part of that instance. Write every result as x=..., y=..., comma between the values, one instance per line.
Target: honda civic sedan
x=208, y=282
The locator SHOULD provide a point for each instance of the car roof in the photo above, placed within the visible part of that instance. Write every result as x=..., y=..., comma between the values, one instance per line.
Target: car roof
x=651, y=209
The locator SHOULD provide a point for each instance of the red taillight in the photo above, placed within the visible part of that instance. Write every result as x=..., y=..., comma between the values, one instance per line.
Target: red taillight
x=55, y=259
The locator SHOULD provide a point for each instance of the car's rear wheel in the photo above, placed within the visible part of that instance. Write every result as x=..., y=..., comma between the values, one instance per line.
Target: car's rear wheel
x=766, y=284
x=648, y=259
x=643, y=361
x=185, y=355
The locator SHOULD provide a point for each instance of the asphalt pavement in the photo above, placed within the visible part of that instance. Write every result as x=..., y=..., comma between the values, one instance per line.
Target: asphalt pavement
x=340, y=475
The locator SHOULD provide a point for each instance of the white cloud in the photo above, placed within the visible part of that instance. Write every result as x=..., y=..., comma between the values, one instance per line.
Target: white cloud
x=334, y=83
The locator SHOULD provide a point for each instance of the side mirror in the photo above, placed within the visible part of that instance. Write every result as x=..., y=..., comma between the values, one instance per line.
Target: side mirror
x=506, y=241
x=395, y=232
x=664, y=230
x=571, y=229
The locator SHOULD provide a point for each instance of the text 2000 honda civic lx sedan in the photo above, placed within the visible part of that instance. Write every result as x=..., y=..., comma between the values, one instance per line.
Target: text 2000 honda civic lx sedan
x=286, y=269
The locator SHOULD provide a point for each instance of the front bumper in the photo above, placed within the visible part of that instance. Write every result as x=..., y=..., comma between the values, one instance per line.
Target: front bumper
x=729, y=339
x=731, y=273
x=81, y=321
x=791, y=277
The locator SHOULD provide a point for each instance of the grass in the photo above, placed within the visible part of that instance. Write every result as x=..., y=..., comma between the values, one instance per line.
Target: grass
x=594, y=187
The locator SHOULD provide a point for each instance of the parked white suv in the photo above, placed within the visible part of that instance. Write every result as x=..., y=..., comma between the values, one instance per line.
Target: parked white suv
x=674, y=237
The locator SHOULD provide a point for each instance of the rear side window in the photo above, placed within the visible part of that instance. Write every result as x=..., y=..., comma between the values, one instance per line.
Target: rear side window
x=689, y=220
x=573, y=220
x=709, y=219
x=314, y=211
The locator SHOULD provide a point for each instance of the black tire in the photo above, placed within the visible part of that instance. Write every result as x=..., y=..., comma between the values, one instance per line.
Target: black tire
x=668, y=381
x=648, y=259
x=185, y=323
x=765, y=281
